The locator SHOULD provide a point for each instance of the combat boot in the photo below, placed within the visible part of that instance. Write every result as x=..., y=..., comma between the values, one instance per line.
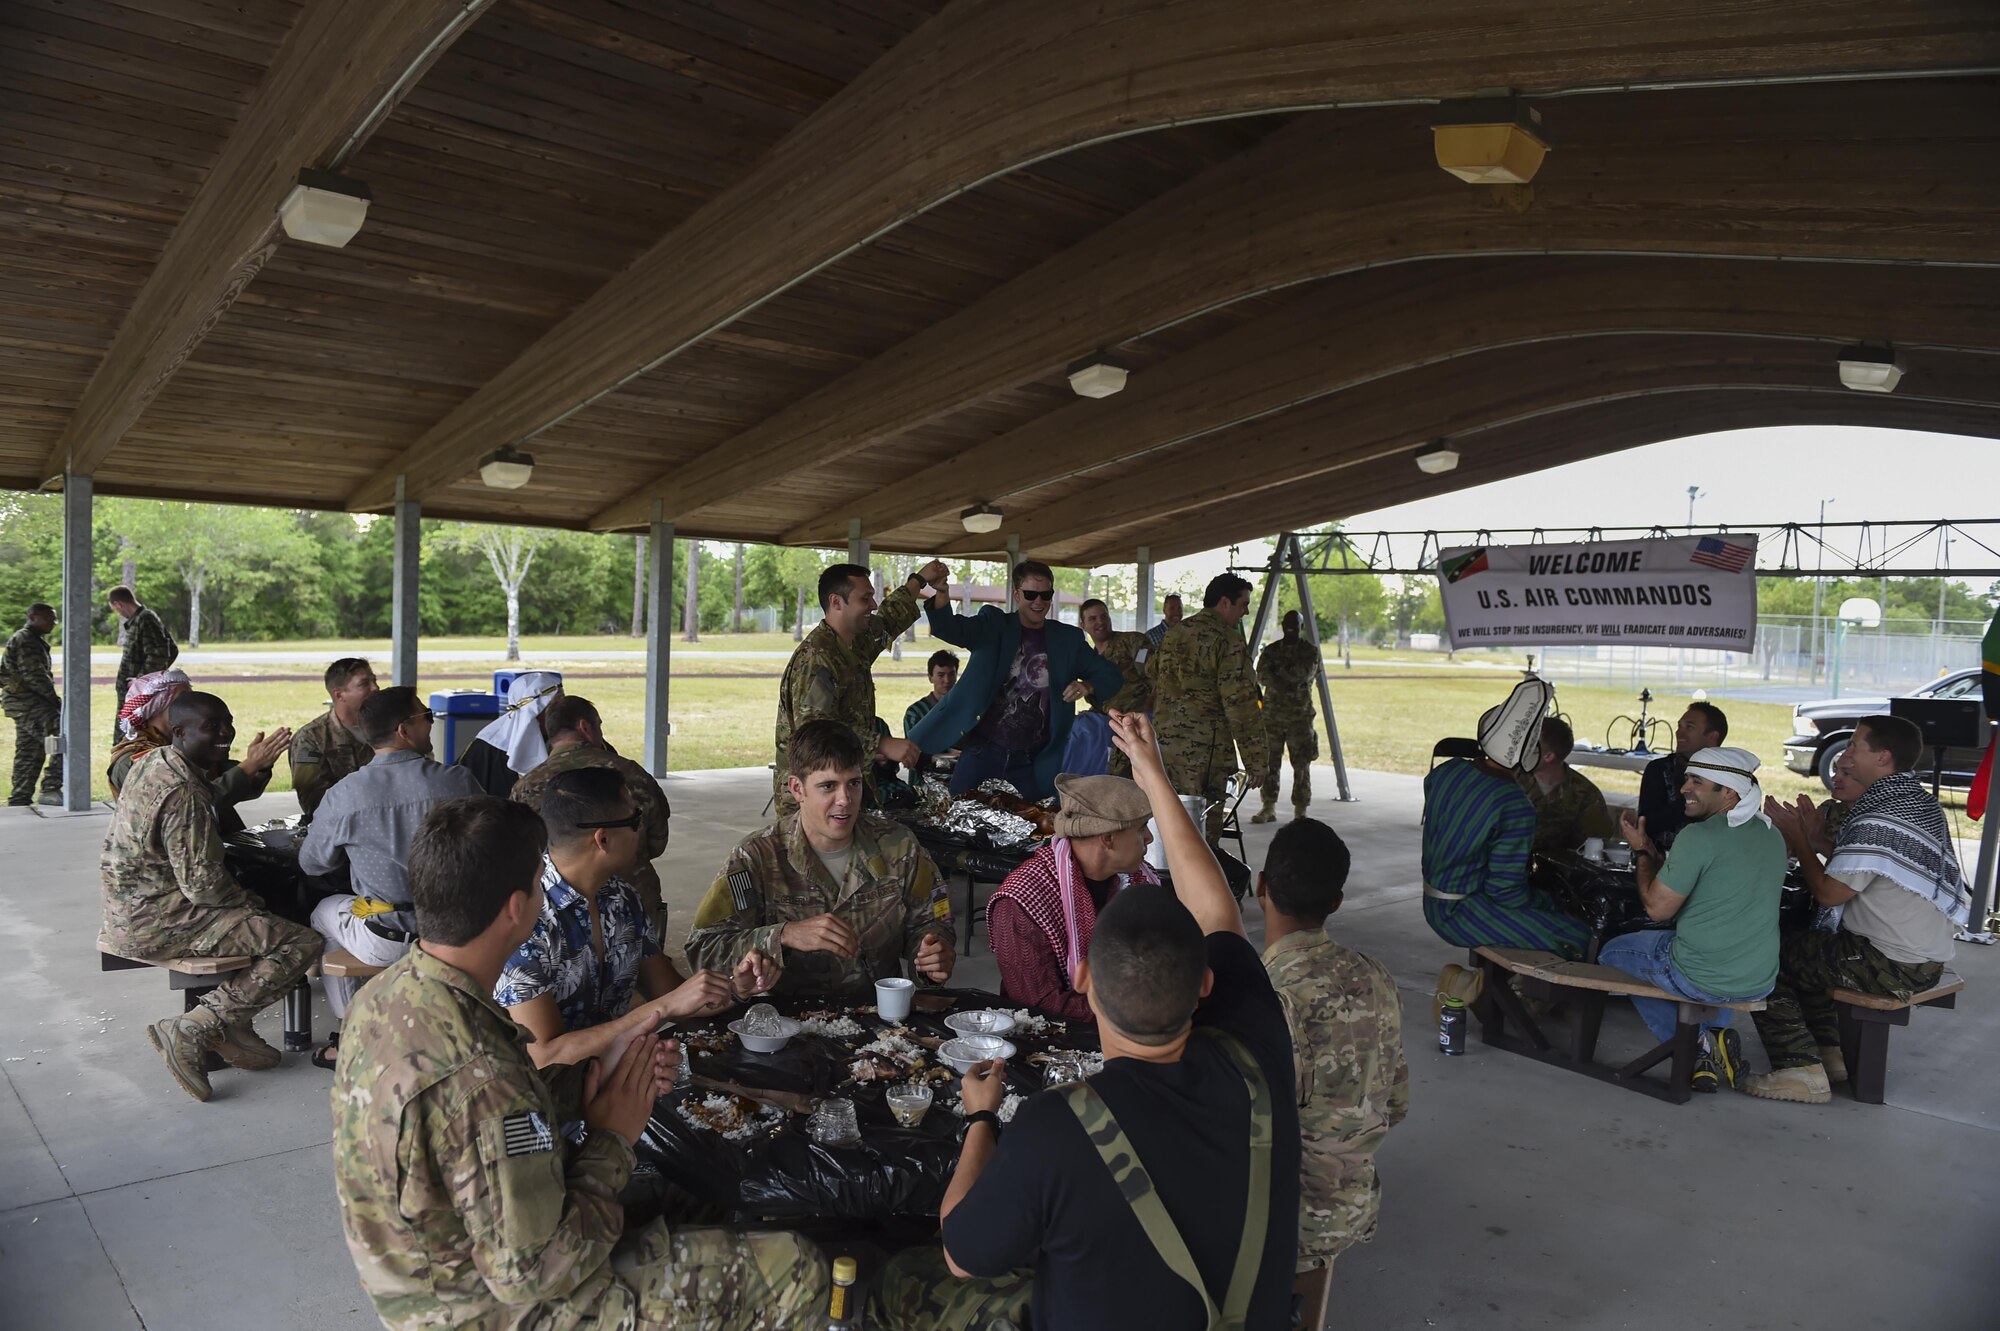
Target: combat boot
x=1806, y=1085
x=1834, y=1060
x=1298, y=812
x=241, y=1047
x=184, y=1043
x=1269, y=814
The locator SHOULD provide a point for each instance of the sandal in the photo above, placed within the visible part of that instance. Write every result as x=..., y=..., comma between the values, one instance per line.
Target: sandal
x=323, y=1057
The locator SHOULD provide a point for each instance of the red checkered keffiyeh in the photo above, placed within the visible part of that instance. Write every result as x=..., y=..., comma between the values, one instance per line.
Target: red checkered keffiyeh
x=146, y=697
x=1049, y=888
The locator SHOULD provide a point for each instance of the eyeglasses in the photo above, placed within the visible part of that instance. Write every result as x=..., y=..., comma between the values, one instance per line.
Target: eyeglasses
x=1027, y=595
x=631, y=822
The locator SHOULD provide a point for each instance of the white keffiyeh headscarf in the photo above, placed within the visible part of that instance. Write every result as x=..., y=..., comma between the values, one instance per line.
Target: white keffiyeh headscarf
x=1733, y=769
x=518, y=732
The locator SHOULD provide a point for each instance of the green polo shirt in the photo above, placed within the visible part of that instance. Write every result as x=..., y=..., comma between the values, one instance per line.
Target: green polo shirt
x=1726, y=935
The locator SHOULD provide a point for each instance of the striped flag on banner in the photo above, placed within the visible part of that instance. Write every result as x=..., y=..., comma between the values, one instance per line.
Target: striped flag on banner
x=1713, y=553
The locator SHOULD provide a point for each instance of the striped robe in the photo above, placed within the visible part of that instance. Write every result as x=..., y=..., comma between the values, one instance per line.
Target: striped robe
x=1478, y=832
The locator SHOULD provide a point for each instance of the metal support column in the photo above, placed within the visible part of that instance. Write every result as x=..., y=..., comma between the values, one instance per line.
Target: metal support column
x=403, y=597
x=1985, y=894
x=1142, y=614
x=1013, y=558
x=659, y=640
x=76, y=604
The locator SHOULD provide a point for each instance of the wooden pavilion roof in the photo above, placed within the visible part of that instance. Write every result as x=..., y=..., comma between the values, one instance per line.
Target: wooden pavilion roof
x=765, y=267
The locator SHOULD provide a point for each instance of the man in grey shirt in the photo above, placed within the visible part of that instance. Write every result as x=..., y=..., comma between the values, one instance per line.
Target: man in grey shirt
x=365, y=824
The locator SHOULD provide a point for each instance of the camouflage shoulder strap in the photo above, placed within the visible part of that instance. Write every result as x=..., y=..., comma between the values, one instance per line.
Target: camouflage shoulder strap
x=1136, y=1185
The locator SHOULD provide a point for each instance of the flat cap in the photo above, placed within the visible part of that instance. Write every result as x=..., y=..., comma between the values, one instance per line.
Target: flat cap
x=1094, y=805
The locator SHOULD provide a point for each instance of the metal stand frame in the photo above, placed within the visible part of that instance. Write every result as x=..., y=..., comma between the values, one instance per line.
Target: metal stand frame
x=1288, y=556
x=659, y=641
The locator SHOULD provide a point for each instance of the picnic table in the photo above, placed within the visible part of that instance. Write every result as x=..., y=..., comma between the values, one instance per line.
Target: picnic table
x=780, y=1172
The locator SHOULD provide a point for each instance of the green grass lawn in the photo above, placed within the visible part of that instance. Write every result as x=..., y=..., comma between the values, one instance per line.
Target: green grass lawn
x=1389, y=714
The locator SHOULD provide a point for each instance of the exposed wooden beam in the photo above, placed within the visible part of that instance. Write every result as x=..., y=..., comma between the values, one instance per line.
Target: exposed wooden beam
x=1335, y=192
x=990, y=84
x=1312, y=444
x=338, y=74
x=1385, y=320
x=1551, y=441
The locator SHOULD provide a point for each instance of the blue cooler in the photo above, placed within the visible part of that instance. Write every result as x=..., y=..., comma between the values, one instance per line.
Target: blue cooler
x=463, y=713
x=503, y=678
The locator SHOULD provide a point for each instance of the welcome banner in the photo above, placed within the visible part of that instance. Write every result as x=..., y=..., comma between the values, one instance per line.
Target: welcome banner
x=1678, y=591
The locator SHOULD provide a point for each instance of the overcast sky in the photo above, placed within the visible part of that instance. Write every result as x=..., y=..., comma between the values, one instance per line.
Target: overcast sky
x=1749, y=478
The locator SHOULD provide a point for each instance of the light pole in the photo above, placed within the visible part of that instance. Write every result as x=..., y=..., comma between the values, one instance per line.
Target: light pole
x=1819, y=591
x=1694, y=492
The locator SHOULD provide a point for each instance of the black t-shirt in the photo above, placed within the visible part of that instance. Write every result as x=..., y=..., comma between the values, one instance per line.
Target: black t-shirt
x=1046, y=1199
x=1660, y=802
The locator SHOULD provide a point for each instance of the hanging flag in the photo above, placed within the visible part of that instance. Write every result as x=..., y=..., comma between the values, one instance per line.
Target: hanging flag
x=1463, y=564
x=1712, y=552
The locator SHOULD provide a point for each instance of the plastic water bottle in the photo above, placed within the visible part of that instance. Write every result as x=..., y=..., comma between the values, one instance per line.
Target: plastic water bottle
x=1451, y=1026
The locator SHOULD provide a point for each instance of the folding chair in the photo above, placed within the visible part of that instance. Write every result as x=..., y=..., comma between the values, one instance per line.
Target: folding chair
x=1455, y=747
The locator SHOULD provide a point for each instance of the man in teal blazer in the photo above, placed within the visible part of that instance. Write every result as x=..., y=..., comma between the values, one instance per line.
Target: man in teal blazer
x=1010, y=712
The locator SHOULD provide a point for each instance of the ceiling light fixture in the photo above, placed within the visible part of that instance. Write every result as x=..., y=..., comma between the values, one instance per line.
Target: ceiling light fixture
x=506, y=468
x=1437, y=458
x=982, y=518
x=1490, y=140
x=1097, y=376
x=1868, y=369
x=324, y=209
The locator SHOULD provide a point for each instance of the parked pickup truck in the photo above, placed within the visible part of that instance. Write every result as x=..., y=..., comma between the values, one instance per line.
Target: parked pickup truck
x=1821, y=730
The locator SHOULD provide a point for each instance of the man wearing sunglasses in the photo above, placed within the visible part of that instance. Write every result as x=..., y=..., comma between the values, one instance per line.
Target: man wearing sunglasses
x=594, y=947
x=1011, y=712
x=364, y=826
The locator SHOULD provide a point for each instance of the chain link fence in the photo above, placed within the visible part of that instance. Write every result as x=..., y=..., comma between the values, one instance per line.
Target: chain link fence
x=1794, y=651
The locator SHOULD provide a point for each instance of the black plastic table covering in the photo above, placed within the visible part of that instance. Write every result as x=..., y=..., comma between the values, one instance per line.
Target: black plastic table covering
x=892, y=1171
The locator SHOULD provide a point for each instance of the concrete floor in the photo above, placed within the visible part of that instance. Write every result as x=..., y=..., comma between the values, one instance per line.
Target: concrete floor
x=1516, y=1195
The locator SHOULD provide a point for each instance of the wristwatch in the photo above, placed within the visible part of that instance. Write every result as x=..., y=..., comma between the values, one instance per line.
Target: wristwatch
x=983, y=1116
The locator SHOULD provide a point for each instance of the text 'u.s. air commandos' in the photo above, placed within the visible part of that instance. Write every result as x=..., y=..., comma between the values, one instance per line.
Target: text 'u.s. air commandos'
x=1206, y=705
x=1286, y=672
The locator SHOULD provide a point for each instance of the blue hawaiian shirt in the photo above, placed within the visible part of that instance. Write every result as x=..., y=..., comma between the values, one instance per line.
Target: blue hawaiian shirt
x=557, y=957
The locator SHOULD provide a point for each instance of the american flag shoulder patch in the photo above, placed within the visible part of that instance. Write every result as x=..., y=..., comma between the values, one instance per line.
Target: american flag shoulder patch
x=743, y=889
x=527, y=1134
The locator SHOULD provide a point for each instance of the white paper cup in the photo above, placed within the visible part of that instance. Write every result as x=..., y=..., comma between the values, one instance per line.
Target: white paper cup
x=1593, y=848
x=893, y=997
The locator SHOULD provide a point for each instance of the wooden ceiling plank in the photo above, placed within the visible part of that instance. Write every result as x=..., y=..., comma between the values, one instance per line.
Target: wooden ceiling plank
x=1342, y=190
x=1381, y=321
x=987, y=86
x=1551, y=441
x=339, y=62
x=1285, y=456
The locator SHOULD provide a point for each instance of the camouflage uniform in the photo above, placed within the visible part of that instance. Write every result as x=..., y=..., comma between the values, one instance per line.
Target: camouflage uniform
x=1347, y=1041
x=465, y=1203
x=28, y=696
x=167, y=892
x=828, y=679
x=1130, y=652
x=1570, y=814
x=893, y=896
x=323, y=751
x=917, y=1289
x=1286, y=670
x=148, y=647
x=1205, y=698
x=647, y=799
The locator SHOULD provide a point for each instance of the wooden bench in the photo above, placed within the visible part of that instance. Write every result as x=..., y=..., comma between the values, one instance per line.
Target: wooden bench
x=344, y=965
x=1591, y=985
x=1865, y=1020
x=196, y=976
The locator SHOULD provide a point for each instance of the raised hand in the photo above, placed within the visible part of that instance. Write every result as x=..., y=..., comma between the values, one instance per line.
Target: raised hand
x=935, y=958
x=621, y=1100
x=702, y=994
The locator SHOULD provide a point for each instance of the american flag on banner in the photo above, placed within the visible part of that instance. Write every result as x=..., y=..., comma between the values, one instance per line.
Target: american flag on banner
x=1714, y=553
